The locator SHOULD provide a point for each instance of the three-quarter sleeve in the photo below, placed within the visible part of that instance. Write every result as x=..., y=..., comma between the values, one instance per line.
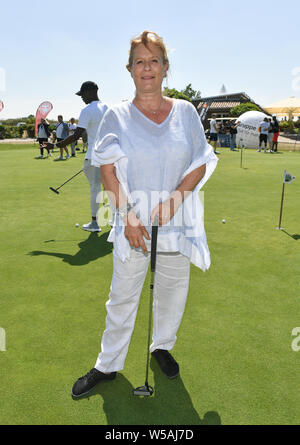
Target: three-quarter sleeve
x=107, y=149
x=202, y=152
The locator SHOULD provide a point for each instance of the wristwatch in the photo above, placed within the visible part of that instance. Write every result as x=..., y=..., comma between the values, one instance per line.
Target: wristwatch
x=125, y=209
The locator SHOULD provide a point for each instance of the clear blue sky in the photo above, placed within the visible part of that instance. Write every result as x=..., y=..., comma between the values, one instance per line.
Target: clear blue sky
x=47, y=49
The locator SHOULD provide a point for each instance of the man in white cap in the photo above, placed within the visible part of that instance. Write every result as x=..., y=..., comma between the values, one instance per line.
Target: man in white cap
x=89, y=120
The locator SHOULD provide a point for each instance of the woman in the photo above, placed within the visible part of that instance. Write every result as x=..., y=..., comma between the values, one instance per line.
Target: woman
x=154, y=158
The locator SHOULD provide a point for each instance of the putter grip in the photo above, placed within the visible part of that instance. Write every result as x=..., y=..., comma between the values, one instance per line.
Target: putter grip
x=153, y=247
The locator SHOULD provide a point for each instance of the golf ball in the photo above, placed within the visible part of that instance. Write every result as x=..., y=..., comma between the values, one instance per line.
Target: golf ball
x=223, y=221
x=76, y=225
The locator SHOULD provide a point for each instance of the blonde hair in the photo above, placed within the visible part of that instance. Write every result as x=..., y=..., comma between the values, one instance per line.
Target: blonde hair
x=146, y=38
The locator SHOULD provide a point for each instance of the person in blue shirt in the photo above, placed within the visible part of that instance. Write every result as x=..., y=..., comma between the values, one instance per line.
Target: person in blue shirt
x=62, y=132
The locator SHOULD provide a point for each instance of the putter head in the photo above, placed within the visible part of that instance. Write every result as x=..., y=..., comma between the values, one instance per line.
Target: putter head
x=143, y=391
x=53, y=190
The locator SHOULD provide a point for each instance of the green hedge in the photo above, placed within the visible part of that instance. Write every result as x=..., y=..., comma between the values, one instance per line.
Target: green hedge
x=243, y=108
x=175, y=94
x=297, y=123
x=287, y=125
x=12, y=132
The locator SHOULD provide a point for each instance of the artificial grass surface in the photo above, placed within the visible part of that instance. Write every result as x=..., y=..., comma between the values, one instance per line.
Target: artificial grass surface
x=234, y=343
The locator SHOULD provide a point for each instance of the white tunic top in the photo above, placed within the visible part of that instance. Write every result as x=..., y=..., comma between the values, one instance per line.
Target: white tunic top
x=151, y=160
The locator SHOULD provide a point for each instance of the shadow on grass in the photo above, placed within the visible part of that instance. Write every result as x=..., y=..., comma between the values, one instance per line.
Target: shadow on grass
x=91, y=249
x=169, y=405
x=296, y=236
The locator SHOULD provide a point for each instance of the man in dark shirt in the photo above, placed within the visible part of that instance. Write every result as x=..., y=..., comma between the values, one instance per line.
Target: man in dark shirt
x=275, y=134
x=233, y=133
x=42, y=136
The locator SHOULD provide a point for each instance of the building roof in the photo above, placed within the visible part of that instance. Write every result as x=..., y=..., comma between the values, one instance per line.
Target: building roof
x=218, y=105
x=228, y=96
x=225, y=101
x=232, y=97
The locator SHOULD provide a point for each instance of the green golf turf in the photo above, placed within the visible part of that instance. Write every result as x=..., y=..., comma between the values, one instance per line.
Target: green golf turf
x=234, y=343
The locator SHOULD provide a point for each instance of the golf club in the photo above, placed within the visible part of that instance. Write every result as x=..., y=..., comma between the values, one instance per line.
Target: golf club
x=147, y=390
x=56, y=190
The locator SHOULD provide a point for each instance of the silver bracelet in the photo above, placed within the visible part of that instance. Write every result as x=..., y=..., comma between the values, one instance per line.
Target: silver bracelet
x=124, y=210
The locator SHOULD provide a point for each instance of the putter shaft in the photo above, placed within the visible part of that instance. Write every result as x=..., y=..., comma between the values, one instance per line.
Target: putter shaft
x=147, y=390
x=56, y=190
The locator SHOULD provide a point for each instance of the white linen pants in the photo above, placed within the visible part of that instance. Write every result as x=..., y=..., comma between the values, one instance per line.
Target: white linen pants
x=93, y=175
x=171, y=285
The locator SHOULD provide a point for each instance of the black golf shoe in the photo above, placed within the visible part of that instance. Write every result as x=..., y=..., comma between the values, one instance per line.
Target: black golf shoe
x=167, y=363
x=86, y=383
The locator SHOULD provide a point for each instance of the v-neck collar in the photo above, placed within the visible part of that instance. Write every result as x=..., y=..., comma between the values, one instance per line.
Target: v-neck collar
x=150, y=120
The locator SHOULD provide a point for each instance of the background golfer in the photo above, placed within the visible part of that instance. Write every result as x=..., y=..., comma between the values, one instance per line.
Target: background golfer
x=89, y=120
x=154, y=158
